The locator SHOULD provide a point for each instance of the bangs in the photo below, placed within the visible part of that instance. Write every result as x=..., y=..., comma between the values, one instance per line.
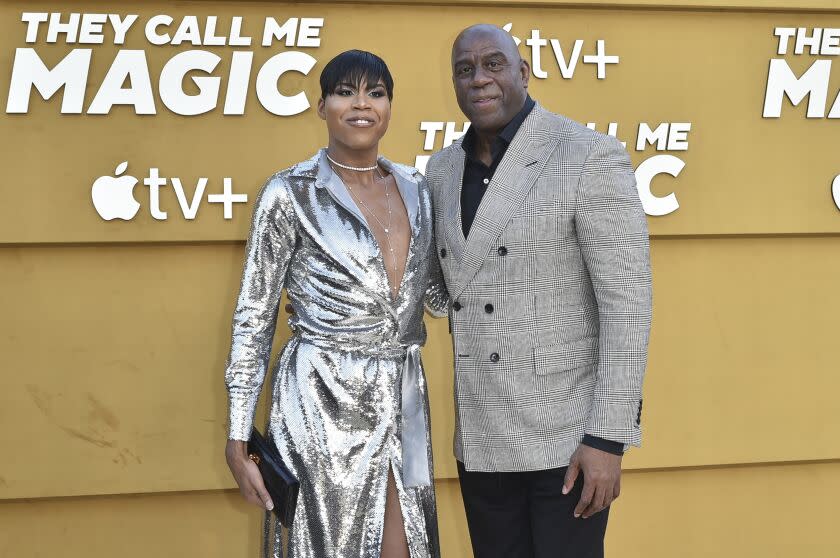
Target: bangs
x=355, y=67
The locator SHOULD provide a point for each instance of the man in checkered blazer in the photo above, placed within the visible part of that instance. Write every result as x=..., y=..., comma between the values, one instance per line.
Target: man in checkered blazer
x=544, y=247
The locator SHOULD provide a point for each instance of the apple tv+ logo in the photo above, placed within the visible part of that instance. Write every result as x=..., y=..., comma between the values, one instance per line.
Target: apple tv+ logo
x=113, y=196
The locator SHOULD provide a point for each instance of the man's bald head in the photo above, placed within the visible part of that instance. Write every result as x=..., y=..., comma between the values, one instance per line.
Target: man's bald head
x=490, y=77
x=499, y=36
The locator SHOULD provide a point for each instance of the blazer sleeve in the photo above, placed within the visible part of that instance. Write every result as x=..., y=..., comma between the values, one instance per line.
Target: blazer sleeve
x=268, y=250
x=613, y=237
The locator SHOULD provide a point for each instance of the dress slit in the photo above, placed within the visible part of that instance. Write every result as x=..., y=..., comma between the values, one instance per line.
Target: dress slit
x=403, y=521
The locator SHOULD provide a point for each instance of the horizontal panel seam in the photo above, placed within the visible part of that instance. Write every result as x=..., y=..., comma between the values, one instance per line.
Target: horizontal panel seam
x=687, y=236
x=630, y=470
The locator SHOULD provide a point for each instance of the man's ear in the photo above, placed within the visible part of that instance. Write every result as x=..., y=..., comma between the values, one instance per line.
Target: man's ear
x=525, y=71
x=322, y=113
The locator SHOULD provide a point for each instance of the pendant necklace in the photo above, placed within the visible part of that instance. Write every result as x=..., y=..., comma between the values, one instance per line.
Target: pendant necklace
x=386, y=228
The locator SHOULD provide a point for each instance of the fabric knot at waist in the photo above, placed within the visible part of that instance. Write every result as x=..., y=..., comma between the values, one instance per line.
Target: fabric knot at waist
x=415, y=442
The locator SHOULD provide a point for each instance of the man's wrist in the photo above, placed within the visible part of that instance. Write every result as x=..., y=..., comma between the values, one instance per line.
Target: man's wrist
x=615, y=448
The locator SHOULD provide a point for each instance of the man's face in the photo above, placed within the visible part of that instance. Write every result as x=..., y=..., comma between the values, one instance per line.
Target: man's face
x=490, y=78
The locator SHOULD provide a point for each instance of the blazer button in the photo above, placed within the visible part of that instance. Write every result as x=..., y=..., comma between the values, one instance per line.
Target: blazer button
x=488, y=308
x=502, y=251
x=494, y=357
x=456, y=305
x=443, y=252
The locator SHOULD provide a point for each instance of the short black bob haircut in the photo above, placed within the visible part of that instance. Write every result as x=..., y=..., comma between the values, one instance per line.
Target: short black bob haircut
x=354, y=67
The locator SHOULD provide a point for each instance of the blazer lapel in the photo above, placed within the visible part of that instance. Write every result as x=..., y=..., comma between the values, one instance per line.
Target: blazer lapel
x=452, y=205
x=517, y=172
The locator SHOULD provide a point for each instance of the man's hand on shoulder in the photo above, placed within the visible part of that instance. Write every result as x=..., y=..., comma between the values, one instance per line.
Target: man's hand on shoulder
x=601, y=479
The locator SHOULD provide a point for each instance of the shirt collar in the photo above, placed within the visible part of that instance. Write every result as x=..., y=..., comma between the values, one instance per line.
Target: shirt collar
x=507, y=133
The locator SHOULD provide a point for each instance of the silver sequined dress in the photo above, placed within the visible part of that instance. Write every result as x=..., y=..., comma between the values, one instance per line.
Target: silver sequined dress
x=349, y=397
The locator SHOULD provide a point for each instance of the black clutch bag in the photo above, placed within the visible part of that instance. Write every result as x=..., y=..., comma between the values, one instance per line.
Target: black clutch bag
x=282, y=486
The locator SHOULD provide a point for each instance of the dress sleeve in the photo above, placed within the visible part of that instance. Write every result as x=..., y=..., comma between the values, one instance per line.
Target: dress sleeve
x=269, y=248
x=613, y=237
x=437, y=296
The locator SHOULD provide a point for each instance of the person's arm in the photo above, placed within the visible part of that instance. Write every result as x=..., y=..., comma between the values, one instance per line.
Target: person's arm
x=437, y=296
x=613, y=238
x=268, y=250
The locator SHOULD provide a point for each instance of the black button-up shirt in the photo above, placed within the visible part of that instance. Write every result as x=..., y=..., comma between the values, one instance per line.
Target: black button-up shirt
x=477, y=177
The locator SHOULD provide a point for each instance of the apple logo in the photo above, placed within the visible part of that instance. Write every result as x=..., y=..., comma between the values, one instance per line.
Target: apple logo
x=507, y=27
x=112, y=195
x=835, y=191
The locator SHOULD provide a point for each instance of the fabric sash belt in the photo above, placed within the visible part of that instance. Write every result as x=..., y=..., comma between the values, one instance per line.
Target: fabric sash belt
x=415, y=442
x=414, y=439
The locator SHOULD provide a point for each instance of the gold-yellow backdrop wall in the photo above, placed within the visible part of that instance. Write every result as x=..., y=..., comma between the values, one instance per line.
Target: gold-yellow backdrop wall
x=113, y=410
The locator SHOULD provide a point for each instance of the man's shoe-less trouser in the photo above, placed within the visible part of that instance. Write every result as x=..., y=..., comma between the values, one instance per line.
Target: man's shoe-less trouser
x=526, y=515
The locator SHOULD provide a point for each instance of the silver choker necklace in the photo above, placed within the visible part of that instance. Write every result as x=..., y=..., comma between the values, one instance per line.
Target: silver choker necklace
x=348, y=167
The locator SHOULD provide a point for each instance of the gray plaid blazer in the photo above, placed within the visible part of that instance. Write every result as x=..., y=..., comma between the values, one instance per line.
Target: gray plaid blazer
x=551, y=296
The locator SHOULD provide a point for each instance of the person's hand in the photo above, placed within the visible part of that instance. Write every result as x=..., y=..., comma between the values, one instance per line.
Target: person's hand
x=601, y=479
x=247, y=474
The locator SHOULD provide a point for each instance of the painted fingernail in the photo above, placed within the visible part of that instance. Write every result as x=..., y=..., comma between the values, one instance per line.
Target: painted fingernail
x=565, y=490
x=269, y=505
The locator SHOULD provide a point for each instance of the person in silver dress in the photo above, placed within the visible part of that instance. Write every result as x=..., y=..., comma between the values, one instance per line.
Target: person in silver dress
x=349, y=235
